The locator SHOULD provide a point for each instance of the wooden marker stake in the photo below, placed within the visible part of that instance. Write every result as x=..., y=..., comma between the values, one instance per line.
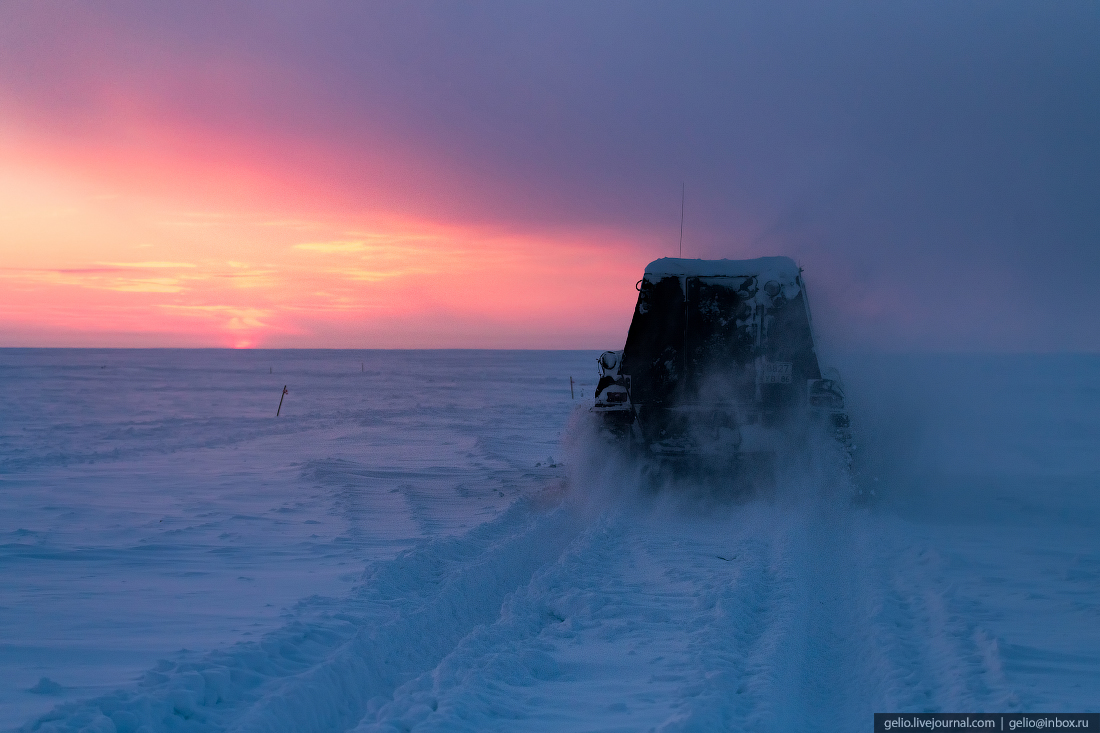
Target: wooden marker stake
x=571, y=389
x=285, y=390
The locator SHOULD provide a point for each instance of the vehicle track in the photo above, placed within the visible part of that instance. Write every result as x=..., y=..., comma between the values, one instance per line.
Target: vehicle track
x=326, y=668
x=938, y=656
x=770, y=617
x=679, y=622
x=764, y=615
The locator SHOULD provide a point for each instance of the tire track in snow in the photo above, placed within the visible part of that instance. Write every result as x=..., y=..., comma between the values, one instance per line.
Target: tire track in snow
x=639, y=621
x=813, y=668
x=324, y=670
x=940, y=659
x=862, y=623
x=769, y=617
x=732, y=614
x=446, y=602
x=762, y=616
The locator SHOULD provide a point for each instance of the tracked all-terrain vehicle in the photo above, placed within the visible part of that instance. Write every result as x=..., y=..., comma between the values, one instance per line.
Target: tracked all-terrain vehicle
x=719, y=366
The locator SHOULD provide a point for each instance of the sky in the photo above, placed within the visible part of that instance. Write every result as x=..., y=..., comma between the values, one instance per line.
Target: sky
x=498, y=174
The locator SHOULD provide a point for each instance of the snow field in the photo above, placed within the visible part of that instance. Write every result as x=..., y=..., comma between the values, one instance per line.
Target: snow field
x=581, y=601
x=150, y=501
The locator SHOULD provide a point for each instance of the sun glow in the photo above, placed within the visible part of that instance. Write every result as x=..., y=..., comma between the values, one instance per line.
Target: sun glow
x=91, y=263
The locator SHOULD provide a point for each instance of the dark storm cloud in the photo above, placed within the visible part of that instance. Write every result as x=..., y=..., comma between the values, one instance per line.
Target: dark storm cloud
x=935, y=166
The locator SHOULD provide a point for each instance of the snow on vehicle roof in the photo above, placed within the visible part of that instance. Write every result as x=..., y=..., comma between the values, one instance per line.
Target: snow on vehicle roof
x=782, y=269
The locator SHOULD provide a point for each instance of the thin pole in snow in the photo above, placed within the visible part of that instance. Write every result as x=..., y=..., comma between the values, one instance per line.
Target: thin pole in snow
x=285, y=390
x=683, y=188
x=571, y=389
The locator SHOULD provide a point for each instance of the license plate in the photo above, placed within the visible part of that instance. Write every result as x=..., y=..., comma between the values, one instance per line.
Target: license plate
x=777, y=372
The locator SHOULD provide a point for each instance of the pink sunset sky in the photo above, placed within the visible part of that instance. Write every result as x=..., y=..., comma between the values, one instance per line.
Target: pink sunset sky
x=498, y=175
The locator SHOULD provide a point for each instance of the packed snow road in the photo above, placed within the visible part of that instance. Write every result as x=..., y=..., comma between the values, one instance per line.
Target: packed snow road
x=503, y=591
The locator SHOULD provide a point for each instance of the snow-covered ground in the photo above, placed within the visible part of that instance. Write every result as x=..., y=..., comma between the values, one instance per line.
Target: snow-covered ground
x=423, y=541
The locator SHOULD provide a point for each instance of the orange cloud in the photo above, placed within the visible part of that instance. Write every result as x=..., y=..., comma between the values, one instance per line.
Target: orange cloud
x=81, y=259
x=167, y=234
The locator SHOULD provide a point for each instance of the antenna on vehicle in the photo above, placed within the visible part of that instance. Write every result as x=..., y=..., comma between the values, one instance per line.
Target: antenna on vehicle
x=683, y=187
